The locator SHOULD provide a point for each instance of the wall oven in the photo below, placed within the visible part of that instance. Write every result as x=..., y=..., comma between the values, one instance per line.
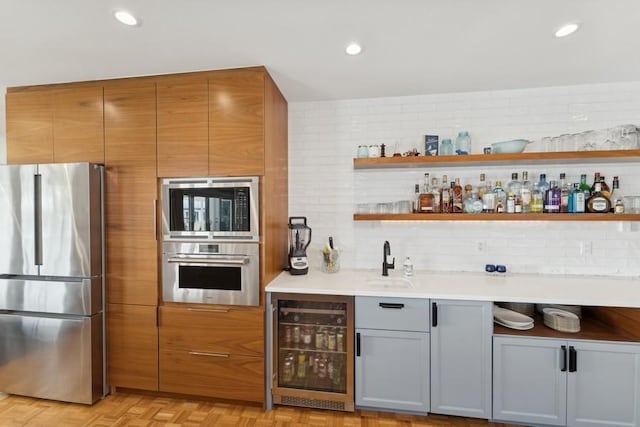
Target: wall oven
x=211, y=273
x=210, y=208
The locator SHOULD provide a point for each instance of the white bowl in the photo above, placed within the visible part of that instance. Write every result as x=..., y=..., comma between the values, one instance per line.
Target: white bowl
x=513, y=146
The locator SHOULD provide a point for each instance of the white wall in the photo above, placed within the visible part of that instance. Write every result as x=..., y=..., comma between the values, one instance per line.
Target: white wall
x=324, y=136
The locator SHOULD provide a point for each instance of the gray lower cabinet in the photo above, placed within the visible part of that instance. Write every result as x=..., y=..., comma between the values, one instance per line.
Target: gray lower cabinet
x=461, y=357
x=543, y=381
x=392, y=354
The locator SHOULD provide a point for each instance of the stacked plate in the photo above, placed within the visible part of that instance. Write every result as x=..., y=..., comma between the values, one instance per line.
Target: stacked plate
x=511, y=319
x=561, y=320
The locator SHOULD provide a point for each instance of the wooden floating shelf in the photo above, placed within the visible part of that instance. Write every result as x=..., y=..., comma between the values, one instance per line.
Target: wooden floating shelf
x=560, y=157
x=497, y=217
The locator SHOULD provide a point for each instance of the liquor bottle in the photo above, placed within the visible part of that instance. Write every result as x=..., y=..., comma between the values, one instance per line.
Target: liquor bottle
x=514, y=188
x=577, y=199
x=426, y=196
x=489, y=199
x=603, y=185
x=544, y=185
x=584, y=187
x=552, y=198
x=445, y=196
x=457, y=197
x=537, y=199
x=617, y=198
x=482, y=186
x=472, y=204
x=416, y=199
x=598, y=202
x=564, y=193
x=435, y=190
x=501, y=197
x=525, y=193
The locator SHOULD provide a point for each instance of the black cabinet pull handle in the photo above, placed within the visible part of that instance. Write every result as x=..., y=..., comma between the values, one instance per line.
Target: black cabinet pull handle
x=434, y=314
x=563, y=358
x=390, y=305
x=358, y=344
x=573, y=359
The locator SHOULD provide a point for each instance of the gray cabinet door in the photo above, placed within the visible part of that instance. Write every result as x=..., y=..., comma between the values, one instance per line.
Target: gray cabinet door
x=461, y=358
x=529, y=380
x=604, y=390
x=392, y=370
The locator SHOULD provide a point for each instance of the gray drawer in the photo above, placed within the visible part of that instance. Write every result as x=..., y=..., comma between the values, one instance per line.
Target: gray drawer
x=400, y=314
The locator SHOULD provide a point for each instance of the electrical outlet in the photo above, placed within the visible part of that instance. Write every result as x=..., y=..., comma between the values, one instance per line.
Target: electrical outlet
x=586, y=247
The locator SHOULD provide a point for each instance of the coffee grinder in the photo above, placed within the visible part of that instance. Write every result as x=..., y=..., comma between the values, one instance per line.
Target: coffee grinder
x=299, y=239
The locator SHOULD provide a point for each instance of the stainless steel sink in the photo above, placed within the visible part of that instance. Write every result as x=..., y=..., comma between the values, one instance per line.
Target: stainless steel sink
x=389, y=282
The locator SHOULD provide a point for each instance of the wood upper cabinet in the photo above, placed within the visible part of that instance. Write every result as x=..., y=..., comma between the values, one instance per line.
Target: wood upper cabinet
x=60, y=124
x=236, y=122
x=183, y=126
x=29, y=126
x=78, y=125
x=131, y=192
x=132, y=346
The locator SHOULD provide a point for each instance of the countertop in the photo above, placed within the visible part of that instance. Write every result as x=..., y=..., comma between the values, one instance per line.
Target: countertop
x=507, y=287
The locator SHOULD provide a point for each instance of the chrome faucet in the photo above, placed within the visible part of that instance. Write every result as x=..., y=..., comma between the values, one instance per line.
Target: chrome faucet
x=386, y=251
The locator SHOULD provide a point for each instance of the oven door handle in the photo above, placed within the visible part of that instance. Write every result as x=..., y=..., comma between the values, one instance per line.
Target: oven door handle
x=208, y=261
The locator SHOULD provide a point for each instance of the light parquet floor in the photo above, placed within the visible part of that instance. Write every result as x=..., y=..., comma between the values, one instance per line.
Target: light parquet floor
x=125, y=409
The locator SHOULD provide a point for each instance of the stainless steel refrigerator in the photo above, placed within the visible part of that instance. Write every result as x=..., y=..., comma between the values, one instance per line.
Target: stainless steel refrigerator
x=52, y=330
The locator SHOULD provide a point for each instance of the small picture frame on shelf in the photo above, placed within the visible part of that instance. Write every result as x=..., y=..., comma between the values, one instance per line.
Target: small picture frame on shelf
x=431, y=145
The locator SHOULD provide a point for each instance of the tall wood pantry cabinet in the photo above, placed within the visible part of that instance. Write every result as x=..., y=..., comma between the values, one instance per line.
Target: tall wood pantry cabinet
x=132, y=247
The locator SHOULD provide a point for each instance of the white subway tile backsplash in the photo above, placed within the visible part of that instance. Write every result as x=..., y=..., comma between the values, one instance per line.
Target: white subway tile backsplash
x=324, y=136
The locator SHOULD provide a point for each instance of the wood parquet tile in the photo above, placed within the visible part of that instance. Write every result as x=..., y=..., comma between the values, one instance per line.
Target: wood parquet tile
x=132, y=410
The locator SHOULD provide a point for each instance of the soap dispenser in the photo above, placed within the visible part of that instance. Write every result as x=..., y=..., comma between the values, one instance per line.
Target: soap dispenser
x=408, y=267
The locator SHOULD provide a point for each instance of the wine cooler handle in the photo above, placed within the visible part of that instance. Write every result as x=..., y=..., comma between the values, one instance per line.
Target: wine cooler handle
x=563, y=359
x=573, y=359
x=434, y=314
x=358, y=344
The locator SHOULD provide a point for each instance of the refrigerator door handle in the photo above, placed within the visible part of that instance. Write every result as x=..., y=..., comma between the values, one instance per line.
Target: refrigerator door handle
x=37, y=217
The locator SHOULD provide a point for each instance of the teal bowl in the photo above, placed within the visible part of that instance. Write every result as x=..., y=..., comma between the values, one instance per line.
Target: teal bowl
x=513, y=146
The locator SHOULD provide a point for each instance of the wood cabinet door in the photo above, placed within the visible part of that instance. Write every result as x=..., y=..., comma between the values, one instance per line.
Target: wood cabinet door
x=132, y=339
x=29, y=126
x=236, y=122
x=183, y=127
x=78, y=125
x=131, y=189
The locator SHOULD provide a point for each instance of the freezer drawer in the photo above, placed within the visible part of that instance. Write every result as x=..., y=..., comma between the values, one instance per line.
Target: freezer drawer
x=74, y=296
x=58, y=358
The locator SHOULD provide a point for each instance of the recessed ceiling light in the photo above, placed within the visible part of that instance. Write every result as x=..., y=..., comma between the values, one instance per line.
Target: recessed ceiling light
x=353, y=49
x=125, y=17
x=567, y=29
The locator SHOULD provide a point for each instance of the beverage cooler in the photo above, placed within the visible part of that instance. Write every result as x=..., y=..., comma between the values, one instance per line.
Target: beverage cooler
x=313, y=351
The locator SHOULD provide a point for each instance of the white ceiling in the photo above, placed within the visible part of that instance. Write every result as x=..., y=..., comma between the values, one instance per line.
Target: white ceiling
x=410, y=46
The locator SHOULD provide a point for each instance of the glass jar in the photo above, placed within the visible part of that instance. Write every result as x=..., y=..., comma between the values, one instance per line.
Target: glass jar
x=446, y=148
x=374, y=151
x=363, y=151
x=463, y=143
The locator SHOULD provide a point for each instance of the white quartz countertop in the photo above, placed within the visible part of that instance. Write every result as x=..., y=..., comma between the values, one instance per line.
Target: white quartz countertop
x=507, y=287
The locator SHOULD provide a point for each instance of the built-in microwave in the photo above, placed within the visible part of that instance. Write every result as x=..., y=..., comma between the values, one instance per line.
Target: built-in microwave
x=211, y=273
x=210, y=208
